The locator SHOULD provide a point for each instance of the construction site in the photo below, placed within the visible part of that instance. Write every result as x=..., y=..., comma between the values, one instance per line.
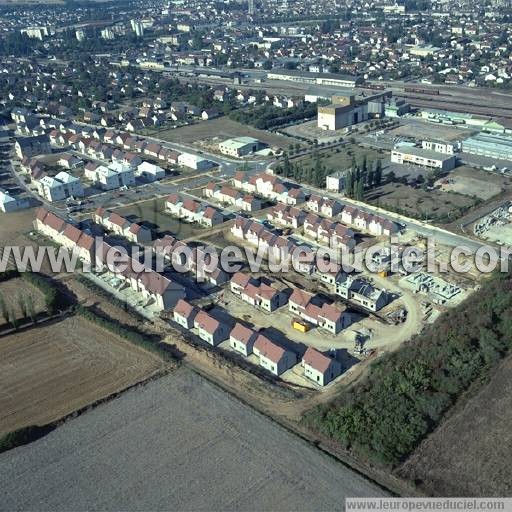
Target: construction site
x=496, y=226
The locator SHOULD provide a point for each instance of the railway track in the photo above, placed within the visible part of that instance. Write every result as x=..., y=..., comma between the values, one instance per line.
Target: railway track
x=457, y=105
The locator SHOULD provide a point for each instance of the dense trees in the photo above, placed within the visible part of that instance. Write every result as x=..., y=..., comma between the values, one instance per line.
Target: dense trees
x=268, y=116
x=366, y=176
x=407, y=392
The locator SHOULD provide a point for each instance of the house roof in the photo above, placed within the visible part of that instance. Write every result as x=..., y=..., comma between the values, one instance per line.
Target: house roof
x=240, y=279
x=332, y=312
x=54, y=222
x=316, y=360
x=207, y=322
x=243, y=334
x=72, y=233
x=86, y=242
x=300, y=297
x=115, y=218
x=269, y=349
x=41, y=214
x=185, y=309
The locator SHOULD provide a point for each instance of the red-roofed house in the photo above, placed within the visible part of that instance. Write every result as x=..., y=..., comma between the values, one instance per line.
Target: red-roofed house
x=320, y=368
x=210, y=329
x=272, y=357
x=330, y=317
x=242, y=339
x=185, y=313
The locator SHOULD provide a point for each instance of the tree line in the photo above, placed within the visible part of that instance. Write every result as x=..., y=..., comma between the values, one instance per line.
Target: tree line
x=406, y=393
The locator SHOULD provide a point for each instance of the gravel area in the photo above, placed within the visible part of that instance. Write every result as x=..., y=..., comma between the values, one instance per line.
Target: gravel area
x=178, y=443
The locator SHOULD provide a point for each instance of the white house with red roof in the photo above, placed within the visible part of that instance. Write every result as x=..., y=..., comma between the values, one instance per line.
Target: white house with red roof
x=257, y=293
x=316, y=311
x=320, y=368
x=210, y=329
x=184, y=313
x=242, y=339
x=272, y=356
x=193, y=211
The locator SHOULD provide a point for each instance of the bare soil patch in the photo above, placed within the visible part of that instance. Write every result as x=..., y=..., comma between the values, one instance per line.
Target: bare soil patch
x=423, y=204
x=53, y=370
x=474, y=182
x=222, y=128
x=12, y=290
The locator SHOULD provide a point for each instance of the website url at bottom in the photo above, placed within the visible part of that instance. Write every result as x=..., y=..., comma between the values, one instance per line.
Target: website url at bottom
x=415, y=504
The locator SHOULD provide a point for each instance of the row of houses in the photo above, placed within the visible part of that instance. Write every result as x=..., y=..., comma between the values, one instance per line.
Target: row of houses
x=374, y=224
x=324, y=205
x=314, y=310
x=232, y=196
x=110, y=177
x=256, y=292
x=329, y=233
x=324, y=231
x=97, y=144
x=352, y=216
x=183, y=256
x=32, y=146
x=275, y=246
x=270, y=187
x=271, y=356
x=121, y=226
x=193, y=211
x=244, y=340
x=156, y=290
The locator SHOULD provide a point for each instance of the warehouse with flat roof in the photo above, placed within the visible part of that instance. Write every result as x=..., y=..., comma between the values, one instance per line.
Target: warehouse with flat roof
x=423, y=157
x=307, y=77
x=239, y=146
x=493, y=146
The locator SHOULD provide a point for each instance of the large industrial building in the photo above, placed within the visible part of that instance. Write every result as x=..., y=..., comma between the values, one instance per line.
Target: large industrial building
x=493, y=146
x=396, y=107
x=423, y=157
x=345, y=111
x=306, y=77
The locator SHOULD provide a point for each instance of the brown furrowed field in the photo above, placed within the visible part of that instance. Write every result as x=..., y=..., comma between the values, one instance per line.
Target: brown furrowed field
x=53, y=370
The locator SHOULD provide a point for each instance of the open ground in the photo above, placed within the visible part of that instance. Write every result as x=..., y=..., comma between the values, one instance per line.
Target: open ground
x=50, y=371
x=420, y=203
x=470, y=454
x=339, y=159
x=220, y=129
x=177, y=443
x=152, y=214
x=425, y=130
x=13, y=290
x=474, y=182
